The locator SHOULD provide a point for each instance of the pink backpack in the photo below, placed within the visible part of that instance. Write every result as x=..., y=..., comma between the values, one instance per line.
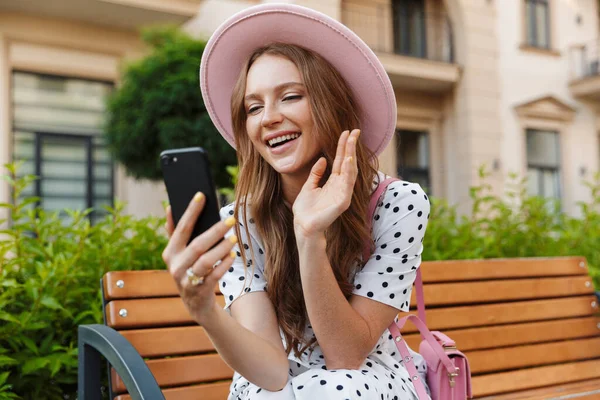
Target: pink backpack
x=448, y=373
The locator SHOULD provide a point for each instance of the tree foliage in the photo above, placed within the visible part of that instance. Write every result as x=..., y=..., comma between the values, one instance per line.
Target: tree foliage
x=159, y=106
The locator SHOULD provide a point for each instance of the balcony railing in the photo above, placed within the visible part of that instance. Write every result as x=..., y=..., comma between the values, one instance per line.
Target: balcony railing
x=585, y=60
x=424, y=35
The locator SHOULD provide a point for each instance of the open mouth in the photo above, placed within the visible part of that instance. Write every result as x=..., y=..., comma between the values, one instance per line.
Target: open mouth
x=278, y=141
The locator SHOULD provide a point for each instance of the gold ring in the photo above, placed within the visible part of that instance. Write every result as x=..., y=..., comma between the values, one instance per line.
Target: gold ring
x=194, y=279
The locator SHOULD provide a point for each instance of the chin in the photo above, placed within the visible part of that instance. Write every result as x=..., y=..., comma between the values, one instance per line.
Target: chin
x=286, y=170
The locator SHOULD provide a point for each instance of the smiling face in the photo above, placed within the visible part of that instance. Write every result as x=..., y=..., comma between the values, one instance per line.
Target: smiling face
x=279, y=121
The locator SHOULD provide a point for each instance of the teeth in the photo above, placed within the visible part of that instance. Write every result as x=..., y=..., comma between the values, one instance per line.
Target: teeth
x=283, y=138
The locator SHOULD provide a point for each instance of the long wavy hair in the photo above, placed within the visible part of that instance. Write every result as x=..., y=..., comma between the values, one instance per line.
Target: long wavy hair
x=259, y=191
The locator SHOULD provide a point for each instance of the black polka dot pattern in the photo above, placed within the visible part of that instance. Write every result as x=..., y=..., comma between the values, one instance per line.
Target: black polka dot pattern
x=236, y=281
x=373, y=380
x=389, y=274
x=397, y=230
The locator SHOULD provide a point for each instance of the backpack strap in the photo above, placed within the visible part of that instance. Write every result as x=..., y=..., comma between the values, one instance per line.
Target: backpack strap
x=368, y=248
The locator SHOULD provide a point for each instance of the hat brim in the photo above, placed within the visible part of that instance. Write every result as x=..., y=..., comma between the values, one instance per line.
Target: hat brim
x=232, y=43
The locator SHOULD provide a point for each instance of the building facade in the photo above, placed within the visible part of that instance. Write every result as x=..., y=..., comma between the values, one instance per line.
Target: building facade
x=510, y=84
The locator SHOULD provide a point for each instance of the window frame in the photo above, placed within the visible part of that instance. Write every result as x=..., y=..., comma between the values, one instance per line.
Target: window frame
x=401, y=169
x=40, y=133
x=88, y=142
x=398, y=45
x=528, y=21
x=544, y=168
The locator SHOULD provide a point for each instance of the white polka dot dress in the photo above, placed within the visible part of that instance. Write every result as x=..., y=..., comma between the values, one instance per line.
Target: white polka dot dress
x=398, y=228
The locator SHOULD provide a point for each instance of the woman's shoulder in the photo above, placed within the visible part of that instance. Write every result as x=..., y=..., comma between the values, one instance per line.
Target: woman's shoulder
x=399, y=190
x=229, y=210
x=244, y=216
x=402, y=200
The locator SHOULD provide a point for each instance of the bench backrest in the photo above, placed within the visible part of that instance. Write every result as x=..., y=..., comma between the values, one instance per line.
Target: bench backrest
x=523, y=323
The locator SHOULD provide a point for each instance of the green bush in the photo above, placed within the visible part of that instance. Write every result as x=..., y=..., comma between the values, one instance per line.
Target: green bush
x=517, y=225
x=50, y=270
x=159, y=106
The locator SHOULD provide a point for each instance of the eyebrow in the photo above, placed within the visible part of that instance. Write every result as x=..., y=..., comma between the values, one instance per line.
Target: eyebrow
x=278, y=88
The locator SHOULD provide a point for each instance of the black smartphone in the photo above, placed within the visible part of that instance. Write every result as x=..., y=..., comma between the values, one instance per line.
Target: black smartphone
x=185, y=172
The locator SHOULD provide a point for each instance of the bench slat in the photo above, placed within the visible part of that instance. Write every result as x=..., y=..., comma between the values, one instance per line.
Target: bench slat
x=207, y=391
x=171, y=311
x=505, y=382
x=533, y=355
x=149, y=312
x=518, y=334
x=554, y=392
x=475, y=270
x=140, y=284
x=179, y=371
x=508, y=313
x=159, y=342
x=595, y=395
x=504, y=290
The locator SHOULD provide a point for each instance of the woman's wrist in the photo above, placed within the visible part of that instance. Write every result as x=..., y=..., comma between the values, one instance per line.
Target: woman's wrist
x=312, y=241
x=210, y=316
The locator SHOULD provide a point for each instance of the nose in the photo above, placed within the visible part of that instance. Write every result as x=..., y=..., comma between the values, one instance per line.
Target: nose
x=271, y=116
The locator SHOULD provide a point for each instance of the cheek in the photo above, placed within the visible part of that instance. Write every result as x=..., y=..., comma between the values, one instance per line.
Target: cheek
x=251, y=129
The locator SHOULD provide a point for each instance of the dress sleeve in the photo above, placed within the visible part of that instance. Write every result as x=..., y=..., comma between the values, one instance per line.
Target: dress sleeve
x=238, y=280
x=399, y=224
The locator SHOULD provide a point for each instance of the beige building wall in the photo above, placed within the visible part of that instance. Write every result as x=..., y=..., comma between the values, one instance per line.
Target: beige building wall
x=476, y=110
x=213, y=13
x=472, y=126
x=73, y=49
x=528, y=75
x=461, y=115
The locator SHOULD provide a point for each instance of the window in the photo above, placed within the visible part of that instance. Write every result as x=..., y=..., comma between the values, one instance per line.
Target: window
x=409, y=28
x=413, y=157
x=543, y=163
x=537, y=20
x=58, y=135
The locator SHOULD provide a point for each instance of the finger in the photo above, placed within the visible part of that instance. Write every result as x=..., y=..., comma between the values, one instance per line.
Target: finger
x=204, y=265
x=185, y=226
x=339, y=154
x=218, y=272
x=316, y=173
x=169, y=225
x=350, y=162
x=204, y=243
x=211, y=279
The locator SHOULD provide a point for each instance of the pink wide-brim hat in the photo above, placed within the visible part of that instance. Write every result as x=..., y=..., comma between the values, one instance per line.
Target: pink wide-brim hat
x=233, y=42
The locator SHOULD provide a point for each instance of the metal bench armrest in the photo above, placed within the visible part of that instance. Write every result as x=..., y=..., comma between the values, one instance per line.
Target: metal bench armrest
x=100, y=340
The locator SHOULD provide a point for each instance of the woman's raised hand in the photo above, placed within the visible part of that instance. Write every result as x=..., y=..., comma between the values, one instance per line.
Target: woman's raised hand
x=316, y=207
x=193, y=266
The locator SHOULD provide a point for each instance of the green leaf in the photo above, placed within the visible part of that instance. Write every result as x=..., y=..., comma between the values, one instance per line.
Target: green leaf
x=51, y=302
x=30, y=344
x=6, y=361
x=8, y=317
x=34, y=364
x=81, y=316
x=9, y=283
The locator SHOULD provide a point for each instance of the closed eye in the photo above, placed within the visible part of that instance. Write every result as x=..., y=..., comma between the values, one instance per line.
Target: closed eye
x=251, y=110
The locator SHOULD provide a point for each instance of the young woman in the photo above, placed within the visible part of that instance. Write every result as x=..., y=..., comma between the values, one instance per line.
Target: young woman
x=308, y=107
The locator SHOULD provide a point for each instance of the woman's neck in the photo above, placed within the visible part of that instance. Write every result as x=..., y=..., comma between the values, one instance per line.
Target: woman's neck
x=292, y=183
x=291, y=186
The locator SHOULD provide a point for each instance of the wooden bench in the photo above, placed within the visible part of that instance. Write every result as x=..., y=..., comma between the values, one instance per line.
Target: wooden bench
x=530, y=328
